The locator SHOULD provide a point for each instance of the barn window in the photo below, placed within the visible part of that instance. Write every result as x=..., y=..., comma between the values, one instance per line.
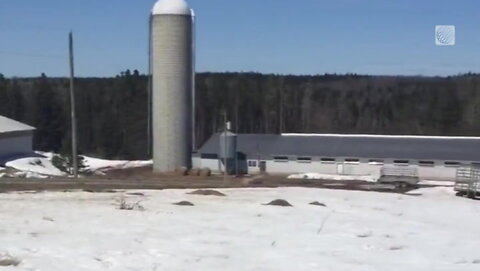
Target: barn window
x=304, y=159
x=401, y=162
x=280, y=159
x=426, y=163
x=376, y=162
x=209, y=156
x=252, y=163
x=452, y=164
x=352, y=161
x=328, y=160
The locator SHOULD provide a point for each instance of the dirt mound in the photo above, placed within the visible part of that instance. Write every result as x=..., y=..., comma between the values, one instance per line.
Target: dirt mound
x=279, y=202
x=184, y=203
x=316, y=203
x=8, y=260
x=205, y=172
x=181, y=171
x=207, y=193
x=195, y=172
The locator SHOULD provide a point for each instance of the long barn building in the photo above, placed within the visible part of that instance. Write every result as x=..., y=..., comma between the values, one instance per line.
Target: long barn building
x=436, y=158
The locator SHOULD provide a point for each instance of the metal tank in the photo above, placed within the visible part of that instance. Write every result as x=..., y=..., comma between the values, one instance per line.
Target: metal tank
x=172, y=70
x=228, y=145
x=228, y=152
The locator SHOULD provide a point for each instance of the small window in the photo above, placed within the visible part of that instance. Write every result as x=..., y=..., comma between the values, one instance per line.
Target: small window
x=426, y=163
x=304, y=159
x=328, y=160
x=376, y=162
x=452, y=164
x=401, y=162
x=209, y=156
x=252, y=163
x=352, y=161
x=280, y=159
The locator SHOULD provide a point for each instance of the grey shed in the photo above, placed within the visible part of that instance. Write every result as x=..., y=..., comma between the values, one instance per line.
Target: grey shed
x=16, y=138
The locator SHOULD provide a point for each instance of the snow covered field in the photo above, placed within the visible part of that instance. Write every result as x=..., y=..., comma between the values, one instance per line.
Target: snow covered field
x=428, y=230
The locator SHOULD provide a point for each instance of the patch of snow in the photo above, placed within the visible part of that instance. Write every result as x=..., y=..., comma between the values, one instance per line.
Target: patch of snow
x=436, y=183
x=41, y=166
x=357, y=231
x=48, y=155
x=437, y=192
x=331, y=177
x=96, y=164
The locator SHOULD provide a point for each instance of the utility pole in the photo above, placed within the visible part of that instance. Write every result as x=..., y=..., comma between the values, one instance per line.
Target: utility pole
x=225, y=147
x=149, y=89
x=72, y=108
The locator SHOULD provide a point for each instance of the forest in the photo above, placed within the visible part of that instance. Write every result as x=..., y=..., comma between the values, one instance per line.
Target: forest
x=112, y=112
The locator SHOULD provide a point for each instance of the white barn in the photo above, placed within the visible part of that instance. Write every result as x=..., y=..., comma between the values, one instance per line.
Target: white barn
x=436, y=158
x=16, y=138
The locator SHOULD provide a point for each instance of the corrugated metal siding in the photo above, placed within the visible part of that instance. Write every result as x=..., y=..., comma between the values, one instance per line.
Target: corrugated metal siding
x=16, y=145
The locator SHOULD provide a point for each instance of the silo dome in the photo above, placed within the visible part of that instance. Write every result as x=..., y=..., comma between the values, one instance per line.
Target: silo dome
x=174, y=7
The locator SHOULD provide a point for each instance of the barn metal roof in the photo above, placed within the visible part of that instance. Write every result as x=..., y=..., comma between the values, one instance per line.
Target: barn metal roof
x=355, y=146
x=8, y=125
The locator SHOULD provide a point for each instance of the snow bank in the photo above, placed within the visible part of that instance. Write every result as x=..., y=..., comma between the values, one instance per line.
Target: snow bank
x=436, y=183
x=357, y=231
x=35, y=167
x=434, y=192
x=328, y=177
x=96, y=164
x=42, y=167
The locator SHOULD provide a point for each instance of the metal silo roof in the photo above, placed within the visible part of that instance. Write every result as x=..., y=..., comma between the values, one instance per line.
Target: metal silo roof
x=173, y=7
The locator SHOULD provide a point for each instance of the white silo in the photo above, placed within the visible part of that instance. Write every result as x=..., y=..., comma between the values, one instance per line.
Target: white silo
x=172, y=91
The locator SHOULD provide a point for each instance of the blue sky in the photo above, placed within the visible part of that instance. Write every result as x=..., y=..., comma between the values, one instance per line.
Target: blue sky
x=270, y=36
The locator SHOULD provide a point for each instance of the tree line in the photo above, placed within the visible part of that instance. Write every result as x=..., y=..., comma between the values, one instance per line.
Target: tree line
x=112, y=112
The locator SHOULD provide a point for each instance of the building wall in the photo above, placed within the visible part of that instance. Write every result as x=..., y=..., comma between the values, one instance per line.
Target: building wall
x=15, y=145
x=364, y=167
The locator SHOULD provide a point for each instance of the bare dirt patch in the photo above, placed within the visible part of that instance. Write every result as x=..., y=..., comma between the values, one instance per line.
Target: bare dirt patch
x=316, y=203
x=279, y=202
x=8, y=260
x=184, y=203
x=207, y=192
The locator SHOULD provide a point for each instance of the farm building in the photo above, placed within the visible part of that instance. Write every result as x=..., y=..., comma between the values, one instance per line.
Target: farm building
x=16, y=138
x=435, y=158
